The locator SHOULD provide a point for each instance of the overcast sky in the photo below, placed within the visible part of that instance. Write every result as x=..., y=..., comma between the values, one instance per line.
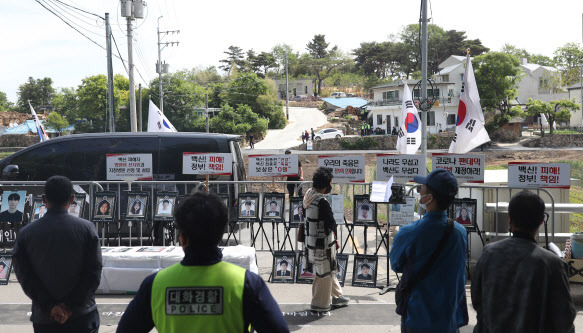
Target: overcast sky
x=36, y=43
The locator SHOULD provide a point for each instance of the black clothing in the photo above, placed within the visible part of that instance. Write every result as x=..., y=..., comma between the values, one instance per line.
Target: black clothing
x=5, y=216
x=284, y=273
x=57, y=259
x=88, y=323
x=363, y=277
x=259, y=307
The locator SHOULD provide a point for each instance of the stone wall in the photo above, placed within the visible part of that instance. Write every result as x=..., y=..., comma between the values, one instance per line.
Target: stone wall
x=373, y=142
x=556, y=141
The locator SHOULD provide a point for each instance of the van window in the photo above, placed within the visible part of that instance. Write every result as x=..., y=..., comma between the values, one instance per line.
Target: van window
x=42, y=163
x=171, y=150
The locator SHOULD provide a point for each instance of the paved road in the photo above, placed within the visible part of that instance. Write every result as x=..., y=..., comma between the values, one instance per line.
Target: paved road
x=300, y=119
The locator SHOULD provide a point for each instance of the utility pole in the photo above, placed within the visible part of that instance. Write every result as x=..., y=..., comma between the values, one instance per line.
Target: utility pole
x=109, y=73
x=423, y=76
x=163, y=68
x=140, y=108
x=286, y=89
x=206, y=110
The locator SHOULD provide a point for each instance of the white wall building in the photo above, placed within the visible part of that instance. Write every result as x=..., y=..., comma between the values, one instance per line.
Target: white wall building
x=574, y=92
x=297, y=87
x=536, y=83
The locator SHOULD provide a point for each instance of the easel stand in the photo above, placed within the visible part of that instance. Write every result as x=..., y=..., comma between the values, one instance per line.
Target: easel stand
x=475, y=228
x=261, y=229
x=287, y=230
x=350, y=228
x=385, y=240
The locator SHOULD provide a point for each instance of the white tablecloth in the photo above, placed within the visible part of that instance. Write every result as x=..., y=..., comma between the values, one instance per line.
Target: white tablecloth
x=124, y=268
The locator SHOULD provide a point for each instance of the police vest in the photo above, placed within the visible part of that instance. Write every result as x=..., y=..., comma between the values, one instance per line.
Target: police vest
x=199, y=298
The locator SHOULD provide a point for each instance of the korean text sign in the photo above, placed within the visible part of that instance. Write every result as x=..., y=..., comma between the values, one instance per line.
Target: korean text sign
x=346, y=169
x=467, y=168
x=207, y=163
x=549, y=175
x=273, y=165
x=401, y=166
x=129, y=166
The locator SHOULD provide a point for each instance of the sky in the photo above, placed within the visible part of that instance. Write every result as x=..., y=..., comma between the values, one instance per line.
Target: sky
x=36, y=43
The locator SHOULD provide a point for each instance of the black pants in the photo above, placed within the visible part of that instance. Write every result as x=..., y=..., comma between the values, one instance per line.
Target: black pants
x=291, y=189
x=88, y=323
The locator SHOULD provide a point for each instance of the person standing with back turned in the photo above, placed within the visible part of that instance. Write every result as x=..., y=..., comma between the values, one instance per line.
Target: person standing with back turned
x=202, y=293
x=437, y=301
x=517, y=285
x=57, y=260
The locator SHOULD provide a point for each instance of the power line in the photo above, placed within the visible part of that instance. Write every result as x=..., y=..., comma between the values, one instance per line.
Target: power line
x=54, y=7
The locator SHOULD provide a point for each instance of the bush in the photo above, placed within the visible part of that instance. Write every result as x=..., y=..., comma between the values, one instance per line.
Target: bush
x=361, y=143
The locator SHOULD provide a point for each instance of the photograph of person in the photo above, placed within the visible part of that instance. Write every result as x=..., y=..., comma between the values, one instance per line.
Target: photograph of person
x=342, y=266
x=5, y=263
x=136, y=206
x=304, y=270
x=272, y=207
x=247, y=207
x=284, y=267
x=165, y=206
x=3, y=271
x=12, y=206
x=463, y=215
x=74, y=208
x=298, y=212
x=365, y=270
x=40, y=211
x=104, y=207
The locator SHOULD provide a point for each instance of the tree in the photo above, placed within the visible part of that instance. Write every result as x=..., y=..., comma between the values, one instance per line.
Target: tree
x=55, y=122
x=40, y=92
x=321, y=60
x=497, y=75
x=234, y=58
x=263, y=63
x=554, y=110
x=5, y=104
x=568, y=58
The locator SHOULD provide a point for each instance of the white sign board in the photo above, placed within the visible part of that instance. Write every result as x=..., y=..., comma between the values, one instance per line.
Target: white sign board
x=467, y=168
x=337, y=203
x=548, y=175
x=346, y=169
x=309, y=145
x=273, y=165
x=400, y=166
x=207, y=163
x=402, y=214
x=129, y=166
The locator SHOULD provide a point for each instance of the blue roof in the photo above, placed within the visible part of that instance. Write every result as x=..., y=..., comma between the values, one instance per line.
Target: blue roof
x=345, y=102
x=28, y=126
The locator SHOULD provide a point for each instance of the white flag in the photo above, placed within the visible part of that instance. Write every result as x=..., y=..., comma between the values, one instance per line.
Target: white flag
x=469, y=131
x=409, y=139
x=157, y=122
x=543, y=120
x=42, y=135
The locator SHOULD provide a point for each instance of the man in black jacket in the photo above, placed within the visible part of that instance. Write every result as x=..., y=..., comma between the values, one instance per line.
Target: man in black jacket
x=57, y=260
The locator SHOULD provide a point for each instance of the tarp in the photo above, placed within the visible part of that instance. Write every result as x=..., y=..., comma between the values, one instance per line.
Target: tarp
x=29, y=126
x=345, y=102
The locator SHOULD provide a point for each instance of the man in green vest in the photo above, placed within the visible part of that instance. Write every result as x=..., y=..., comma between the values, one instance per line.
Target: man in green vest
x=202, y=293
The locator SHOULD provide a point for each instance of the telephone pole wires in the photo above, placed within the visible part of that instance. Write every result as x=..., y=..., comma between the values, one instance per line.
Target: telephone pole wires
x=162, y=68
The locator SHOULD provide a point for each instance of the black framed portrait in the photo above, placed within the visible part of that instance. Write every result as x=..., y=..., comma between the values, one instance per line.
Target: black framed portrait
x=12, y=208
x=164, y=205
x=38, y=208
x=364, y=273
x=463, y=211
x=273, y=207
x=342, y=260
x=297, y=212
x=137, y=206
x=77, y=207
x=304, y=272
x=248, y=206
x=104, y=206
x=283, y=270
x=364, y=211
x=5, y=268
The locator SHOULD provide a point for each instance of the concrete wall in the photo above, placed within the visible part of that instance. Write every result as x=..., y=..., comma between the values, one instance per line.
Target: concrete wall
x=577, y=116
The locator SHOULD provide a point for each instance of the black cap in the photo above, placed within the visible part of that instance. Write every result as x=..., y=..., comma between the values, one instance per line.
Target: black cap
x=440, y=180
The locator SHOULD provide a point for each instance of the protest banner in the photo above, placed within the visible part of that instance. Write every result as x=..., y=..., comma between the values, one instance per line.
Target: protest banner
x=400, y=166
x=273, y=165
x=539, y=175
x=467, y=168
x=207, y=164
x=337, y=204
x=403, y=214
x=129, y=166
x=346, y=169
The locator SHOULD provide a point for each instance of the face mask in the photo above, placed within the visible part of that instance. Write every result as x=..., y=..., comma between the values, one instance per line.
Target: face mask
x=419, y=204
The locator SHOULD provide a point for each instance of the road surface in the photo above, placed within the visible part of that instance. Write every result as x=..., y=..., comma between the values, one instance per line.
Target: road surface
x=300, y=119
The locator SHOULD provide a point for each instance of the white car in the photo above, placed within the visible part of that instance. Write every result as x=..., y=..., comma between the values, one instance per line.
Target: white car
x=328, y=133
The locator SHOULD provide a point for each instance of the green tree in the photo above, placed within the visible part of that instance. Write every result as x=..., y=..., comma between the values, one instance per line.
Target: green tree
x=40, y=92
x=56, y=122
x=568, y=59
x=321, y=60
x=5, y=104
x=497, y=75
x=235, y=58
x=554, y=110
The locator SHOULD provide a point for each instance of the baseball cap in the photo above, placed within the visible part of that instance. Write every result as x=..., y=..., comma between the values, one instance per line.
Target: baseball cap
x=440, y=180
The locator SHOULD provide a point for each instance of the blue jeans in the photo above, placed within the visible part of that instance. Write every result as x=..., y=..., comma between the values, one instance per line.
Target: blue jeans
x=404, y=329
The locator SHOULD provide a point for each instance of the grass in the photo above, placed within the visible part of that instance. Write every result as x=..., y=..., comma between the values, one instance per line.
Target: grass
x=5, y=154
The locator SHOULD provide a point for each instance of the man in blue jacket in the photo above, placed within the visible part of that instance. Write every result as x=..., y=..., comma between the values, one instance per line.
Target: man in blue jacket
x=202, y=293
x=438, y=301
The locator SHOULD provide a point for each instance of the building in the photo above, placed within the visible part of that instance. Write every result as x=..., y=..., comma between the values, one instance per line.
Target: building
x=574, y=92
x=537, y=83
x=297, y=87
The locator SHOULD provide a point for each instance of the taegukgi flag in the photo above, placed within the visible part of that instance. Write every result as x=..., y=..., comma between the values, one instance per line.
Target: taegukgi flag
x=469, y=131
x=42, y=135
x=410, y=128
x=157, y=121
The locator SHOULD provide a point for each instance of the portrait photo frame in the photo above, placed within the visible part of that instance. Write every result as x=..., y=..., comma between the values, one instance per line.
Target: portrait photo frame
x=296, y=210
x=164, y=205
x=5, y=268
x=304, y=273
x=342, y=260
x=9, y=213
x=248, y=207
x=36, y=210
x=77, y=207
x=285, y=274
x=104, y=206
x=226, y=201
x=463, y=211
x=364, y=212
x=273, y=207
x=137, y=206
x=365, y=278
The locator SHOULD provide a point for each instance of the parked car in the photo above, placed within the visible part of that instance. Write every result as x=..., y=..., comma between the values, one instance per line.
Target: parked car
x=338, y=94
x=328, y=133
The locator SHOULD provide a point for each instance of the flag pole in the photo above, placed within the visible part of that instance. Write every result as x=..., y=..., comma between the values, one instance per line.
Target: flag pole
x=423, y=77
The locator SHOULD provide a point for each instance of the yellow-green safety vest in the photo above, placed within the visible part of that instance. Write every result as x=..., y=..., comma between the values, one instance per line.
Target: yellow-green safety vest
x=199, y=298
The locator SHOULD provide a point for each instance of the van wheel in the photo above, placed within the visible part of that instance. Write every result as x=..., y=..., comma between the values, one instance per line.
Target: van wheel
x=338, y=136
